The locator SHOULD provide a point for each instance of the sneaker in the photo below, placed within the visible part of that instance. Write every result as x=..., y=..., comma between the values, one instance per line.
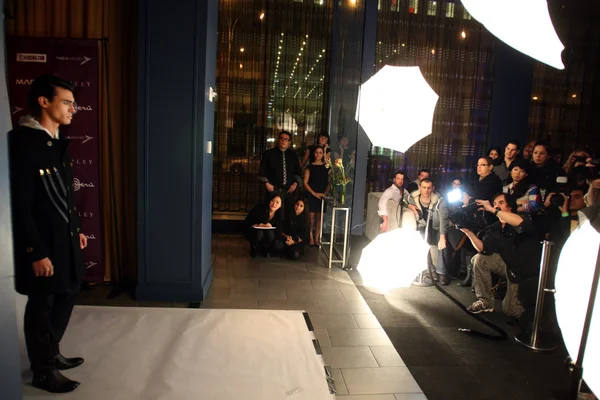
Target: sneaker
x=479, y=307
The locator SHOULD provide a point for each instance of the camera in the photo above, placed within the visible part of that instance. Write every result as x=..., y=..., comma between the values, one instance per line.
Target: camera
x=561, y=188
x=468, y=217
x=579, y=159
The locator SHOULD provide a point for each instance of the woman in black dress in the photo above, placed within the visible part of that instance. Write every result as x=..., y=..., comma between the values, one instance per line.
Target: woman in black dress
x=316, y=182
x=295, y=231
x=263, y=226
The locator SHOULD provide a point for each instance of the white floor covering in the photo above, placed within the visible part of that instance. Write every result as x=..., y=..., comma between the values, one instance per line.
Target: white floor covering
x=169, y=353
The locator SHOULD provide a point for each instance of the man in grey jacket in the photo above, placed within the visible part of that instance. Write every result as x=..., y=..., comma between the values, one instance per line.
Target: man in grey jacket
x=431, y=211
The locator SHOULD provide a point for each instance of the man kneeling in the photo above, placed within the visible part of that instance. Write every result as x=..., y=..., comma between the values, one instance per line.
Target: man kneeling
x=504, y=251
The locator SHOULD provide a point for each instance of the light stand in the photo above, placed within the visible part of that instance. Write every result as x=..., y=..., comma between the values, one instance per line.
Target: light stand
x=535, y=340
x=420, y=279
x=577, y=367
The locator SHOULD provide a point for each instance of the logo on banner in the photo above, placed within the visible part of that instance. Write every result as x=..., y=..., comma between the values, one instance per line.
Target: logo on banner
x=89, y=264
x=16, y=110
x=83, y=59
x=31, y=57
x=84, y=139
x=90, y=237
x=85, y=108
x=81, y=185
x=85, y=214
x=23, y=81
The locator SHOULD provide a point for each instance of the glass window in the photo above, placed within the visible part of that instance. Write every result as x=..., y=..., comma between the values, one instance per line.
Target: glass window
x=414, y=5
x=450, y=10
x=432, y=7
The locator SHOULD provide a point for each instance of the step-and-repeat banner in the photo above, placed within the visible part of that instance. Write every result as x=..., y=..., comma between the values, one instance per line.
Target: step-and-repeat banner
x=75, y=60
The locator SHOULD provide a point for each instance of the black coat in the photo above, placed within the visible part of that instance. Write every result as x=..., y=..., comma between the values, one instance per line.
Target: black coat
x=296, y=227
x=45, y=222
x=260, y=215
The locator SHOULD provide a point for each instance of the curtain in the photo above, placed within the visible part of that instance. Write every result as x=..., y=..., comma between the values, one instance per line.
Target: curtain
x=456, y=57
x=564, y=102
x=116, y=20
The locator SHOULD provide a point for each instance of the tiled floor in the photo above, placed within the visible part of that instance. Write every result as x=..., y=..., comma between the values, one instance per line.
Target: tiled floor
x=364, y=362
x=401, y=346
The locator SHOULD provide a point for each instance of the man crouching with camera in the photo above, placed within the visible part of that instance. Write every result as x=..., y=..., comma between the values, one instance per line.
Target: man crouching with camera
x=504, y=251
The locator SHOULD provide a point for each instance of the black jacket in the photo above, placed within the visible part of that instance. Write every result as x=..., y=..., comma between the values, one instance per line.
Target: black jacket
x=486, y=188
x=519, y=247
x=44, y=219
x=296, y=227
x=260, y=215
x=271, y=168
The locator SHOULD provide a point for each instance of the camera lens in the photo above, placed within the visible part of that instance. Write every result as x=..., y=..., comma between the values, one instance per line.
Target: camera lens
x=557, y=200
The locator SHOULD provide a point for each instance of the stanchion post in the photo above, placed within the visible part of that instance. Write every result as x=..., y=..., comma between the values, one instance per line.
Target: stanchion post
x=534, y=340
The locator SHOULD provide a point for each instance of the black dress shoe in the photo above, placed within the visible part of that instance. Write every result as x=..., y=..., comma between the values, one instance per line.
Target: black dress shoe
x=53, y=381
x=62, y=363
x=435, y=276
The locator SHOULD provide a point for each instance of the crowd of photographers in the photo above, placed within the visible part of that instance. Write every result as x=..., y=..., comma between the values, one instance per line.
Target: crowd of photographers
x=487, y=235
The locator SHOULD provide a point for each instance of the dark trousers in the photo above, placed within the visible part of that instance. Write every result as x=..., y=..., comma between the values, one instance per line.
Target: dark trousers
x=46, y=319
x=261, y=239
x=295, y=251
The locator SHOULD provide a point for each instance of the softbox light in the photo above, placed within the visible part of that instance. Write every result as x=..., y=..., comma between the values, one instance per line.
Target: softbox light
x=393, y=259
x=524, y=25
x=395, y=107
x=573, y=283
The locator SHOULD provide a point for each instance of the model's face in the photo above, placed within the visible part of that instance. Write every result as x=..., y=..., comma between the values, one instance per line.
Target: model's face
x=494, y=154
x=284, y=142
x=299, y=207
x=61, y=107
x=483, y=167
x=540, y=155
x=517, y=174
x=323, y=140
x=399, y=180
x=456, y=184
x=275, y=203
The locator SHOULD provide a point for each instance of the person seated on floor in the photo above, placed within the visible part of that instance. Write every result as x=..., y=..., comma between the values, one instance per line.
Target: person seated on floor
x=527, y=194
x=263, y=226
x=395, y=193
x=431, y=213
x=509, y=248
x=295, y=231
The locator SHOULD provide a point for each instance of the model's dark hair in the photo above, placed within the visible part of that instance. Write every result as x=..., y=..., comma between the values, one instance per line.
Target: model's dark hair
x=45, y=86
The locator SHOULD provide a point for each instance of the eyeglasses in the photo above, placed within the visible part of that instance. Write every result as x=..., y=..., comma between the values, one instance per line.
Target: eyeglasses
x=70, y=103
x=483, y=165
x=285, y=139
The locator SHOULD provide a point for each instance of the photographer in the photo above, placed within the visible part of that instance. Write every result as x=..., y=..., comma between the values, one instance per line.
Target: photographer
x=508, y=249
x=431, y=213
